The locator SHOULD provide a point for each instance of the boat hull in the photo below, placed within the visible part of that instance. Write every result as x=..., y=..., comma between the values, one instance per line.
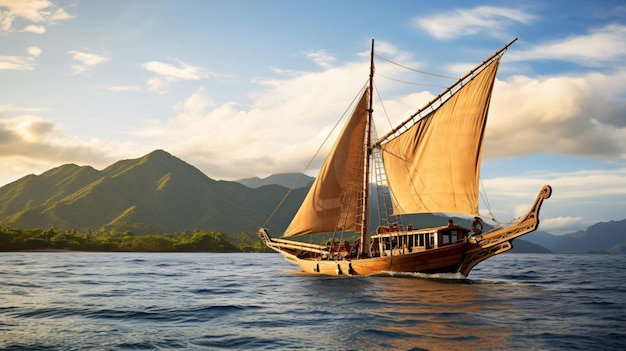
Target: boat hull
x=442, y=260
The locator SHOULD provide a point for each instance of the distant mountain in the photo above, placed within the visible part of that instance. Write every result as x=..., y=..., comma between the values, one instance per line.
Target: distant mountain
x=158, y=191
x=542, y=238
x=523, y=246
x=285, y=179
x=604, y=236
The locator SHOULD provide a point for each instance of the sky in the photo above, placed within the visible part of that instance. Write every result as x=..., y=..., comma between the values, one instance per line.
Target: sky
x=248, y=88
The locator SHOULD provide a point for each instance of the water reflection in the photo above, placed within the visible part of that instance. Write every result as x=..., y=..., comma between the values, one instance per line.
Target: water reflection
x=412, y=313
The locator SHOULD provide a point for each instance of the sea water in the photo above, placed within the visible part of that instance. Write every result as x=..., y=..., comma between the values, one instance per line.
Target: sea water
x=208, y=301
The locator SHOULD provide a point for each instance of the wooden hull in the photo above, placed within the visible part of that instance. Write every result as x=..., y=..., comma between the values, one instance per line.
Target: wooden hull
x=459, y=257
x=442, y=260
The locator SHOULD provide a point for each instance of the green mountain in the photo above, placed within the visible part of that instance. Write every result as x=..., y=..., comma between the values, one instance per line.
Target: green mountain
x=152, y=194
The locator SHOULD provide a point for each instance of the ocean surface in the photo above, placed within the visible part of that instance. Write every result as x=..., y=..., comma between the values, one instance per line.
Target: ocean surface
x=207, y=301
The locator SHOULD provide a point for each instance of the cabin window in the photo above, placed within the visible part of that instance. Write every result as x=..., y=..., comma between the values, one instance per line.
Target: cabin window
x=448, y=237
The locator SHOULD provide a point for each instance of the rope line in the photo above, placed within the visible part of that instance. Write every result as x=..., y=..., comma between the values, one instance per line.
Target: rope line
x=413, y=69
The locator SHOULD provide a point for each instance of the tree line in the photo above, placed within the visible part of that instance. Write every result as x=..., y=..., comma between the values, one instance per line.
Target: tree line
x=15, y=239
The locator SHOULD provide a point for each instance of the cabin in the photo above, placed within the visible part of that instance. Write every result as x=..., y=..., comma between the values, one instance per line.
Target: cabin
x=393, y=240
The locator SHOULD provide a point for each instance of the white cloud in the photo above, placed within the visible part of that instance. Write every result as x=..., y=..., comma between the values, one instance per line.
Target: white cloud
x=42, y=12
x=34, y=51
x=166, y=73
x=562, y=225
x=34, y=29
x=85, y=61
x=567, y=115
x=21, y=63
x=35, y=137
x=321, y=57
x=599, y=47
x=579, y=114
x=238, y=140
x=484, y=19
x=30, y=143
x=157, y=84
x=18, y=63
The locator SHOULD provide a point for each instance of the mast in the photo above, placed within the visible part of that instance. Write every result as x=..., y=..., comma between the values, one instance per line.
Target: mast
x=368, y=152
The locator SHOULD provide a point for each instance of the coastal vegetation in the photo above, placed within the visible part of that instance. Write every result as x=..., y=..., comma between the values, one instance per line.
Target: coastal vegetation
x=15, y=239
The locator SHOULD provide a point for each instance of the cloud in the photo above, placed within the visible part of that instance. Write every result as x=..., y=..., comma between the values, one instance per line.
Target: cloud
x=599, y=47
x=562, y=225
x=34, y=51
x=31, y=143
x=580, y=116
x=166, y=73
x=238, y=140
x=21, y=63
x=42, y=12
x=35, y=137
x=17, y=63
x=85, y=61
x=34, y=29
x=321, y=57
x=480, y=20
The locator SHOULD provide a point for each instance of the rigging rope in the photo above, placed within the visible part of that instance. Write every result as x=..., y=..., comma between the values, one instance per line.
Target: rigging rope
x=412, y=83
x=413, y=69
x=380, y=99
x=483, y=195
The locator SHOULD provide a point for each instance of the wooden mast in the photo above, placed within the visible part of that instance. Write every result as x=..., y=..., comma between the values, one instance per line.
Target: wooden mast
x=366, y=186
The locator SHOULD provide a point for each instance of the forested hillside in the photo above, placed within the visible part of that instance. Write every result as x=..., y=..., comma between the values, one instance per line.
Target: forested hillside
x=154, y=194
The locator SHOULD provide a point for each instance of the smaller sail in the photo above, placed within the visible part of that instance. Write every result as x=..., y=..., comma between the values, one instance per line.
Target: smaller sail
x=434, y=166
x=328, y=206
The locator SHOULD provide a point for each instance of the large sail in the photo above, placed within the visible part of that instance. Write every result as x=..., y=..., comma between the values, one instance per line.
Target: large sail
x=333, y=200
x=434, y=166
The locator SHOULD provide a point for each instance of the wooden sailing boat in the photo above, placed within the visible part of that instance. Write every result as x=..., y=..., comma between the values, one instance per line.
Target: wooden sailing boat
x=430, y=163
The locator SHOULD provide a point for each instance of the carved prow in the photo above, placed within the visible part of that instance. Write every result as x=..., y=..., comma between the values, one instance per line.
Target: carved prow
x=499, y=241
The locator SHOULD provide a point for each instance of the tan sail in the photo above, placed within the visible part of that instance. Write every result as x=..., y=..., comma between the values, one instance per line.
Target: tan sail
x=331, y=204
x=435, y=165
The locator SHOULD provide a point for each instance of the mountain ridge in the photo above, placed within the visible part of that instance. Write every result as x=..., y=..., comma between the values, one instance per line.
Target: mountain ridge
x=157, y=190
x=599, y=237
x=283, y=179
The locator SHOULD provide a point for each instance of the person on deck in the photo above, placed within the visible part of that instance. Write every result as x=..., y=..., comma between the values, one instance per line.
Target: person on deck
x=477, y=225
